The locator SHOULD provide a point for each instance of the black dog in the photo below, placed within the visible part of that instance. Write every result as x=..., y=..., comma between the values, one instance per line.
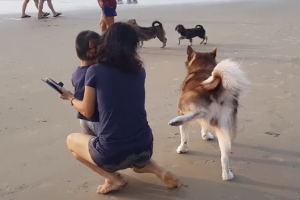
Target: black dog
x=190, y=33
x=148, y=33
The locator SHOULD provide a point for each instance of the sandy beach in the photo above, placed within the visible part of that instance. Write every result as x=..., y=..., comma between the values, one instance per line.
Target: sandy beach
x=35, y=163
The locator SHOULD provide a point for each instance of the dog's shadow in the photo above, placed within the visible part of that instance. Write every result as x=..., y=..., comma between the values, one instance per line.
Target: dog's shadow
x=179, y=50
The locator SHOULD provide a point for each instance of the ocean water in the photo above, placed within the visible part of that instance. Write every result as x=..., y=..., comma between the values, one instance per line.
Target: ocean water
x=15, y=6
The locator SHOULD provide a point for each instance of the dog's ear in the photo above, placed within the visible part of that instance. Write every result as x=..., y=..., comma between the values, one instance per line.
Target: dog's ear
x=214, y=53
x=189, y=50
x=176, y=27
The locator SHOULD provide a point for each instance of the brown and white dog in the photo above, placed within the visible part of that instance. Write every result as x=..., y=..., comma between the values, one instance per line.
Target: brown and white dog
x=210, y=94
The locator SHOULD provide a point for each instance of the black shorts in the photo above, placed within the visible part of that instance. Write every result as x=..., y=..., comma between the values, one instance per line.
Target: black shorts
x=138, y=160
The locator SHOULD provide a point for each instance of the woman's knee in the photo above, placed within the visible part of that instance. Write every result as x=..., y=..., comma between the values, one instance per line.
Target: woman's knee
x=71, y=141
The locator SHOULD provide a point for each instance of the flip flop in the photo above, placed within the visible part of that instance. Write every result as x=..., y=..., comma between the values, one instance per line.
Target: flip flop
x=46, y=14
x=57, y=14
x=25, y=16
x=43, y=17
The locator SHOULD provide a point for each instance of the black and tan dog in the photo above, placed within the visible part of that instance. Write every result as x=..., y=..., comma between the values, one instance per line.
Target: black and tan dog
x=190, y=33
x=148, y=33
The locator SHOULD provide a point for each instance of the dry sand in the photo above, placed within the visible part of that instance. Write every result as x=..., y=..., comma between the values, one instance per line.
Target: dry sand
x=34, y=122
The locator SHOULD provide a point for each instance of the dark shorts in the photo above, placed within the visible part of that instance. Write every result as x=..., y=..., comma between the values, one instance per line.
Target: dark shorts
x=109, y=12
x=138, y=160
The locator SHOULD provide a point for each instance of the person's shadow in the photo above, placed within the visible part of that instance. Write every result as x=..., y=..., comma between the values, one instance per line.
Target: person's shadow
x=195, y=189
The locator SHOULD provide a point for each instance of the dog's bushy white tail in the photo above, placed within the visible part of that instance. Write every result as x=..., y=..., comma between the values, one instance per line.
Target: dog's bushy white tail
x=231, y=77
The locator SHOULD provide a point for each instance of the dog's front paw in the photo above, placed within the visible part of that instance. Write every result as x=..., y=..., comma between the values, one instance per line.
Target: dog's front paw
x=208, y=136
x=175, y=122
x=227, y=176
x=182, y=148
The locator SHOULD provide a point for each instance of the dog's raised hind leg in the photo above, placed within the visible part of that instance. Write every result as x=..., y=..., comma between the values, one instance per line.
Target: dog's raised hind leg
x=184, y=133
x=225, y=147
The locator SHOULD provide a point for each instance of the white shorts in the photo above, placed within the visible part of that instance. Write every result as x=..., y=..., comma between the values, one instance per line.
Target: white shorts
x=87, y=127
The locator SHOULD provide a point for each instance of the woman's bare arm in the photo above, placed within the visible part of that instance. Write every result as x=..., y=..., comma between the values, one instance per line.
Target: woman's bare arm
x=87, y=106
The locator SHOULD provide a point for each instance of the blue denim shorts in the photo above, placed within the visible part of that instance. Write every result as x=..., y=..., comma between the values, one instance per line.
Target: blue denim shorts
x=138, y=160
x=109, y=12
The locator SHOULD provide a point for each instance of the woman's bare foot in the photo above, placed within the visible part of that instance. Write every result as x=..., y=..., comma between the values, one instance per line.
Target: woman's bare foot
x=169, y=179
x=109, y=186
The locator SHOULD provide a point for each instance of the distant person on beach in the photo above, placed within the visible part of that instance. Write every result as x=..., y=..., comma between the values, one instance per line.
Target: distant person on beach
x=117, y=85
x=50, y=5
x=36, y=3
x=83, y=44
x=108, y=13
x=128, y=1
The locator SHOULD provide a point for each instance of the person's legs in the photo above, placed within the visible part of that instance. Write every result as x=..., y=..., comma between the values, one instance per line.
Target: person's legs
x=102, y=24
x=109, y=20
x=40, y=9
x=167, y=177
x=50, y=5
x=24, y=8
x=36, y=3
x=78, y=145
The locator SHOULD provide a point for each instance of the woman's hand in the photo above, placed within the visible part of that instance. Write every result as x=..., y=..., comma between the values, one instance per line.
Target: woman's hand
x=66, y=94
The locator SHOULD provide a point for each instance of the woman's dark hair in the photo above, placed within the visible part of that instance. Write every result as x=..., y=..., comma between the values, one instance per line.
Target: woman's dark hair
x=87, y=45
x=119, y=48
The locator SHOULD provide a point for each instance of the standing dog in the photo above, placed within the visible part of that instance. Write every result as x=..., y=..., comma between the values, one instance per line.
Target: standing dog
x=189, y=34
x=148, y=33
x=209, y=94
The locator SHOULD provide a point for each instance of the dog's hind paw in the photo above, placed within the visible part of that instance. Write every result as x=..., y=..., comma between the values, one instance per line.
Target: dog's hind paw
x=227, y=176
x=175, y=122
x=182, y=149
x=208, y=136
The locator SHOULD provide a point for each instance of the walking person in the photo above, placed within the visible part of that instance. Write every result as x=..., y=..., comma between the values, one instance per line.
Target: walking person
x=50, y=5
x=108, y=13
x=24, y=6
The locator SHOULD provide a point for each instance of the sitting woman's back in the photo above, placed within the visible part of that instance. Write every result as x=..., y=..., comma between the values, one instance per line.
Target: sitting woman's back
x=122, y=108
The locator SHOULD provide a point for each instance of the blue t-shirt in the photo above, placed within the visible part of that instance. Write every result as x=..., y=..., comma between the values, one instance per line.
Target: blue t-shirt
x=78, y=82
x=123, y=128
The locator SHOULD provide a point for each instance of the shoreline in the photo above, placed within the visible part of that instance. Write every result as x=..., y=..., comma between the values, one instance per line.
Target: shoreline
x=65, y=8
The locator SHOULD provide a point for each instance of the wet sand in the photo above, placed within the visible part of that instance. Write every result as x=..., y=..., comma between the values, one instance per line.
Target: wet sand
x=34, y=122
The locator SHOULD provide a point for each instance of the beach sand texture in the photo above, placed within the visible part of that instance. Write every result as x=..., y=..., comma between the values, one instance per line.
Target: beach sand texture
x=36, y=165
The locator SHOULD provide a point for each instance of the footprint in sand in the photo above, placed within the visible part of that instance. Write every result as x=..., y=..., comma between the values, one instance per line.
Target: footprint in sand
x=272, y=134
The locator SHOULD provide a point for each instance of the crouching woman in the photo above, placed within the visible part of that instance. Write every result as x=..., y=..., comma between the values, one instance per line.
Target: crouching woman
x=117, y=85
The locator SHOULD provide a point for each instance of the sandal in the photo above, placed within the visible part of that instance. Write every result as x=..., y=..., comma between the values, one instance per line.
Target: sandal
x=42, y=17
x=25, y=16
x=57, y=14
x=46, y=14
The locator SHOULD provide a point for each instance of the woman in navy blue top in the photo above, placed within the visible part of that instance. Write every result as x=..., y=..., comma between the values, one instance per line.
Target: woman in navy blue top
x=124, y=138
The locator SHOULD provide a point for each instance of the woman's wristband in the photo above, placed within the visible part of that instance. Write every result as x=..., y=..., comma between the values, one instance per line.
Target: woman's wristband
x=72, y=101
